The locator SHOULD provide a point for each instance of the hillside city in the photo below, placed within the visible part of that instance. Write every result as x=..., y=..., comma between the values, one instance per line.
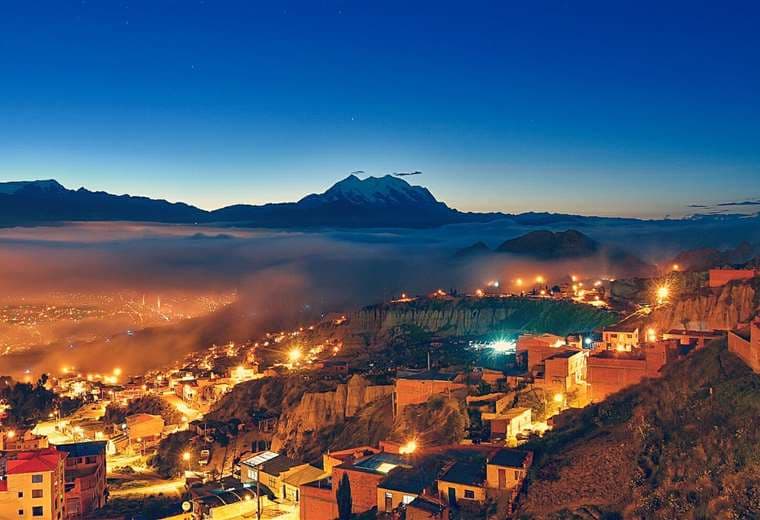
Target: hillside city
x=425, y=406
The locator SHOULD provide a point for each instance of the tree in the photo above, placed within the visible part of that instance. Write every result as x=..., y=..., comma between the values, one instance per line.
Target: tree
x=343, y=496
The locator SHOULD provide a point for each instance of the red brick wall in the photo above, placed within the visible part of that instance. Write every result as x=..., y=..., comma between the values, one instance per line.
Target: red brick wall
x=609, y=375
x=318, y=504
x=363, y=487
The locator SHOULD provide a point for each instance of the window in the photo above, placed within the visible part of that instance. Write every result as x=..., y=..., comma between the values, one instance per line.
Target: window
x=37, y=479
x=407, y=499
x=21, y=494
x=36, y=493
x=20, y=512
x=37, y=511
x=517, y=475
x=469, y=493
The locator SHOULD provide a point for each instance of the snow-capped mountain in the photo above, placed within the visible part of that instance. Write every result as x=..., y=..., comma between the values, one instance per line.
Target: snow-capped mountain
x=375, y=192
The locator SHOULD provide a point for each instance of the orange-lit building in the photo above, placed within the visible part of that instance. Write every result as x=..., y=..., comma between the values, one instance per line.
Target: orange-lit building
x=318, y=499
x=611, y=371
x=33, y=486
x=536, y=347
x=21, y=440
x=745, y=343
x=85, y=477
x=564, y=371
x=720, y=277
x=507, y=424
x=621, y=336
x=418, y=387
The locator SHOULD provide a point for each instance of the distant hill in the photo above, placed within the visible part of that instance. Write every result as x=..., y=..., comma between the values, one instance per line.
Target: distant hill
x=549, y=245
x=702, y=259
x=682, y=446
x=27, y=202
x=564, y=245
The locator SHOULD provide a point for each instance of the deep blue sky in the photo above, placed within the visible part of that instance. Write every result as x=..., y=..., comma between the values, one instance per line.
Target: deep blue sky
x=600, y=108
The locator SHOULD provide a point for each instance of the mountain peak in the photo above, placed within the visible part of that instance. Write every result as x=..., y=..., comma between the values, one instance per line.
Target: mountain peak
x=378, y=192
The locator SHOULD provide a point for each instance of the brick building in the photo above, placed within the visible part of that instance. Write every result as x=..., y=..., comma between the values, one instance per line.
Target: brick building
x=85, y=477
x=532, y=349
x=611, y=371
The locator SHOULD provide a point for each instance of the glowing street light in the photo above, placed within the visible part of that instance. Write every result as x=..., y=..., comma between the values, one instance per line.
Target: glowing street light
x=662, y=293
x=186, y=456
x=408, y=448
x=558, y=398
x=539, y=279
x=117, y=372
x=294, y=355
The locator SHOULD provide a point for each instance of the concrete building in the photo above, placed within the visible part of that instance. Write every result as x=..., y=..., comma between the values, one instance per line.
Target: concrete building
x=506, y=425
x=292, y=482
x=506, y=469
x=85, y=477
x=611, y=371
x=564, y=371
x=271, y=470
x=33, y=486
x=144, y=430
x=532, y=349
x=622, y=336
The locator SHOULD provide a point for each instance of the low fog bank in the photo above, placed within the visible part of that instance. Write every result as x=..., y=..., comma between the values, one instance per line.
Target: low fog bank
x=283, y=278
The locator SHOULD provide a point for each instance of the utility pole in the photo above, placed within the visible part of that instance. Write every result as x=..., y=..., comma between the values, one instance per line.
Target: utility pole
x=258, y=494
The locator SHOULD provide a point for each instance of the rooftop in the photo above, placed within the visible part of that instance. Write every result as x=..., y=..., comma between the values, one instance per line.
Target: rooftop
x=509, y=458
x=270, y=462
x=565, y=354
x=382, y=462
x=469, y=473
x=623, y=326
x=34, y=461
x=83, y=449
x=427, y=504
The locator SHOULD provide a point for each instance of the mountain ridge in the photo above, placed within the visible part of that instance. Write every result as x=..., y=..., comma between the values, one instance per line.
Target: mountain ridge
x=373, y=202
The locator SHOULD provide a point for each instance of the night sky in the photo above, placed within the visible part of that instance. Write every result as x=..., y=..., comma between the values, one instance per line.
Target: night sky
x=607, y=108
